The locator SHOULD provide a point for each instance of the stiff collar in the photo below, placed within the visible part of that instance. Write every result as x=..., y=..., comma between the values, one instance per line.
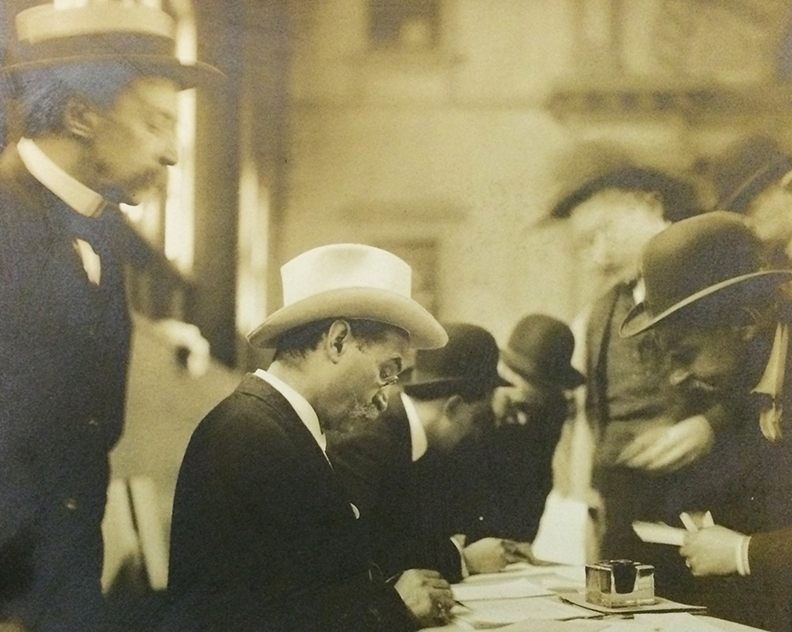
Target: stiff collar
x=304, y=410
x=74, y=193
x=418, y=438
x=772, y=384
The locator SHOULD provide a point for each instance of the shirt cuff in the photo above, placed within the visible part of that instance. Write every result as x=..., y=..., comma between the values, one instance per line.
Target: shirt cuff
x=743, y=566
x=458, y=541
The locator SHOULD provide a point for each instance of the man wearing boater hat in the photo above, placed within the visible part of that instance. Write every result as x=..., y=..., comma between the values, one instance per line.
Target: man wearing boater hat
x=264, y=536
x=96, y=86
x=722, y=322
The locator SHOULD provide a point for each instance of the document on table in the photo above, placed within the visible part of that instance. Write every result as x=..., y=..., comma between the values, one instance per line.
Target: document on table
x=511, y=588
x=542, y=625
x=660, y=605
x=498, y=612
x=659, y=533
x=670, y=622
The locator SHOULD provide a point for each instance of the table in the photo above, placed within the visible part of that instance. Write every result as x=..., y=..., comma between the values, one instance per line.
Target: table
x=525, y=598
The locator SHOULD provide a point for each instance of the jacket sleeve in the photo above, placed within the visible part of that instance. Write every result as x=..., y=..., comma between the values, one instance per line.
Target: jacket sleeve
x=770, y=556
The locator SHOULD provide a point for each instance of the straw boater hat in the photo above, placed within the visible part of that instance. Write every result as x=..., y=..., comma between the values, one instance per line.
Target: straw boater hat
x=711, y=254
x=349, y=281
x=93, y=32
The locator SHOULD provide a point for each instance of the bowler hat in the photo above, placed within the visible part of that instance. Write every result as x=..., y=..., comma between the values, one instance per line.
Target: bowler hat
x=699, y=257
x=467, y=365
x=94, y=32
x=678, y=197
x=352, y=281
x=540, y=350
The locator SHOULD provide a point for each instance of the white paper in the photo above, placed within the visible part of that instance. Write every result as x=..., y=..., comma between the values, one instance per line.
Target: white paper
x=562, y=528
x=503, y=611
x=659, y=533
x=504, y=589
x=669, y=622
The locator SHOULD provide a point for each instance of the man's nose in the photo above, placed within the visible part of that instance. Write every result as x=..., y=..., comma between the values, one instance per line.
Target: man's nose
x=170, y=152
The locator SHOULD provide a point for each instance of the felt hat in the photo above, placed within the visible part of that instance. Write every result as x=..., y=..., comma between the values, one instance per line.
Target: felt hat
x=349, y=281
x=540, y=350
x=101, y=32
x=691, y=260
x=467, y=365
x=678, y=196
x=745, y=169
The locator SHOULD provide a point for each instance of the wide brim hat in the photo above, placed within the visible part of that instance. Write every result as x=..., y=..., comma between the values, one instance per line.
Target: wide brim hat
x=467, y=365
x=349, y=281
x=540, y=350
x=692, y=260
x=139, y=37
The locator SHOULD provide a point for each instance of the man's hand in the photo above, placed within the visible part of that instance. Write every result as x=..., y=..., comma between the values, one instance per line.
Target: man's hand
x=490, y=555
x=427, y=595
x=669, y=448
x=712, y=551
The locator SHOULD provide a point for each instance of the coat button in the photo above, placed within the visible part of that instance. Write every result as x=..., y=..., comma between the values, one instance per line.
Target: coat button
x=93, y=422
x=70, y=504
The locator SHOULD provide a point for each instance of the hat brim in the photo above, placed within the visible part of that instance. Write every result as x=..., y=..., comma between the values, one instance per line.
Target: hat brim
x=568, y=377
x=364, y=303
x=186, y=75
x=639, y=320
x=446, y=387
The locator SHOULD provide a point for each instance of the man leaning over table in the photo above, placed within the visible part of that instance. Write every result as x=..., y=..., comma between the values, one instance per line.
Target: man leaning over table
x=722, y=321
x=264, y=537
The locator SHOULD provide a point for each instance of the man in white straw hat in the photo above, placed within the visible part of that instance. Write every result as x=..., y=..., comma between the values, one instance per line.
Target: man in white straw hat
x=96, y=85
x=722, y=320
x=263, y=535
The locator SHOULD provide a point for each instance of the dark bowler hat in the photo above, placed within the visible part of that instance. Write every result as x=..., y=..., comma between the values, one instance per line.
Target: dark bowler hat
x=97, y=32
x=467, y=365
x=678, y=197
x=697, y=258
x=540, y=350
x=746, y=168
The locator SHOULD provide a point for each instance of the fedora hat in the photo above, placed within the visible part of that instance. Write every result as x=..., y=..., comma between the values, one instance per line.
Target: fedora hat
x=745, y=169
x=133, y=34
x=697, y=258
x=467, y=365
x=349, y=281
x=678, y=196
x=540, y=350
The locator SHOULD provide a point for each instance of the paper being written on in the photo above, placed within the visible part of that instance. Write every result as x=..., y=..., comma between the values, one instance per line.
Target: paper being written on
x=509, y=588
x=498, y=612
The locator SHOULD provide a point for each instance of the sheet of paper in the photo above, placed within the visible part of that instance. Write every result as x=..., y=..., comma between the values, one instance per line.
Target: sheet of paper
x=561, y=531
x=496, y=612
x=659, y=533
x=669, y=622
x=543, y=625
x=512, y=588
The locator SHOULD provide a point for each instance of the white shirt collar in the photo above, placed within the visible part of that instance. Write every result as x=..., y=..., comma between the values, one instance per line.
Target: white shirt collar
x=772, y=384
x=418, y=438
x=304, y=410
x=82, y=199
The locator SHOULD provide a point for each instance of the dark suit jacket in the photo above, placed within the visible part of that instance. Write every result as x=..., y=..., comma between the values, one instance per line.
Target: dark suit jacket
x=263, y=535
x=64, y=346
x=405, y=505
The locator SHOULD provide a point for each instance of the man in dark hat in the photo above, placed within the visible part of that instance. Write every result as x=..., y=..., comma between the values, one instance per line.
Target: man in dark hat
x=96, y=87
x=645, y=435
x=504, y=494
x=397, y=470
x=722, y=321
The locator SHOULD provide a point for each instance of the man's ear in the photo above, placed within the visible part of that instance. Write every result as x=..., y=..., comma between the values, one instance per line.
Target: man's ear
x=80, y=118
x=337, y=339
x=452, y=406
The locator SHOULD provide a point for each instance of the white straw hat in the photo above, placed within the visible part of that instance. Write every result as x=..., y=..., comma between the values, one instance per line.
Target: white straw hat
x=349, y=281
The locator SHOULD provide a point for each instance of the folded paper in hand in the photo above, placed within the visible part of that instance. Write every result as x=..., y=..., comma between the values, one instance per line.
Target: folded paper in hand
x=659, y=533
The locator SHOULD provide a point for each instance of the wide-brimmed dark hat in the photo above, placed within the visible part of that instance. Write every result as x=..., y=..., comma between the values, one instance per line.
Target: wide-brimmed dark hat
x=540, y=350
x=52, y=36
x=745, y=169
x=467, y=365
x=697, y=258
x=678, y=196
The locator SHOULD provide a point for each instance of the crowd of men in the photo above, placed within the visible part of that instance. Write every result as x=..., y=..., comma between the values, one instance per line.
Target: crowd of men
x=333, y=489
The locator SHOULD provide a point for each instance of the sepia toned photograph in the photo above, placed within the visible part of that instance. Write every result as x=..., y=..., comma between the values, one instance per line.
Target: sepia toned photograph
x=388, y=315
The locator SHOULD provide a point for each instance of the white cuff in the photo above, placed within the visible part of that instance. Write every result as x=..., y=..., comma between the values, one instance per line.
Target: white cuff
x=458, y=541
x=743, y=566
